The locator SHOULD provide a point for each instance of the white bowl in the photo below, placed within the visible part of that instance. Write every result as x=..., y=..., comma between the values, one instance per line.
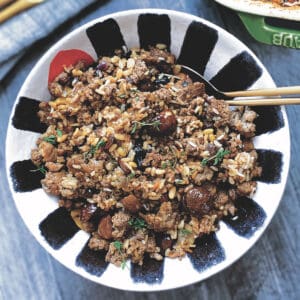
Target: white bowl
x=208, y=49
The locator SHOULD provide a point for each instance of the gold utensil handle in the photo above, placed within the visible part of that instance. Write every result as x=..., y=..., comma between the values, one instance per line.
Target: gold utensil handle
x=5, y=2
x=16, y=8
x=291, y=90
x=264, y=102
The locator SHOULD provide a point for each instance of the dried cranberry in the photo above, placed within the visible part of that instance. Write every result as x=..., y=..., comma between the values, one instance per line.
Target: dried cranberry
x=102, y=65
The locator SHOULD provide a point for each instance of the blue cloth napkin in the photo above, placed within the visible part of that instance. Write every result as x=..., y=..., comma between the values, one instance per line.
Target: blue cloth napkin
x=21, y=31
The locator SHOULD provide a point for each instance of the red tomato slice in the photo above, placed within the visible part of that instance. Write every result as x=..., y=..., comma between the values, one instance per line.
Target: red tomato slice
x=66, y=58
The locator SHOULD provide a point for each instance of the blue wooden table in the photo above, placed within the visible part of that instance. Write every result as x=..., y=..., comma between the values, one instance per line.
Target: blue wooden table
x=270, y=270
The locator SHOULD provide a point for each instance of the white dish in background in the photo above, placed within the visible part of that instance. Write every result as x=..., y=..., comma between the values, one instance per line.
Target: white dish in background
x=262, y=8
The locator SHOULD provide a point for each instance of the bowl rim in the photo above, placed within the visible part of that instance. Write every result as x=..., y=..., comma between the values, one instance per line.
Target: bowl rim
x=54, y=48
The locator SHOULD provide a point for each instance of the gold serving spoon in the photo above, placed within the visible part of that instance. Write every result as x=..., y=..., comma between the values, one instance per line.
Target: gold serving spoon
x=15, y=7
x=228, y=96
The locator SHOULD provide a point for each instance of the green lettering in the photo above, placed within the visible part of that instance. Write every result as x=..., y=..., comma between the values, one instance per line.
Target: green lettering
x=277, y=39
x=288, y=41
x=297, y=42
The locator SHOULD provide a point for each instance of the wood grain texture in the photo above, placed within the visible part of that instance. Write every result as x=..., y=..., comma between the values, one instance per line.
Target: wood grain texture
x=270, y=270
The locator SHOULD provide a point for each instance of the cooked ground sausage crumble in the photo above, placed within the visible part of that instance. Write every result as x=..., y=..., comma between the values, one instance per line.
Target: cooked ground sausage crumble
x=142, y=158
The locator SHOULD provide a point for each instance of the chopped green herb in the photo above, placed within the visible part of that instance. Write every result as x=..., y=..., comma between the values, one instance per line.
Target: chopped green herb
x=204, y=162
x=173, y=162
x=137, y=223
x=123, y=264
x=118, y=245
x=179, y=181
x=218, y=157
x=133, y=130
x=101, y=143
x=134, y=90
x=41, y=169
x=93, y=149
x=185, y=231
x=122, y=95
x=155, y=124
x=59, y=132
x=131, y=175
x=50, y=139
x=169, y=163
x=123, y=107
x=164, y=165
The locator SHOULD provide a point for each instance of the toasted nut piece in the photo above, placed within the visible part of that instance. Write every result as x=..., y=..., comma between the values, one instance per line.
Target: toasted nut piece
x=198, y=201
x=124, y=167
x=75, y=214
x=105, y=227
x=53, y=167
x=131, y=203
x=167, y=124
x=109, y=142
x=121, y=152
x=172, y=192
x=62, y=138
x=208, y=131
